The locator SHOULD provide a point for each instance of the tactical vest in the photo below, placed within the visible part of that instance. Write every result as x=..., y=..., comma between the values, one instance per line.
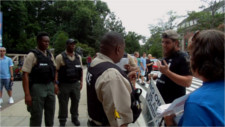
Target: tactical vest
x=72, y=70
x=44, y=70
x=95, y=108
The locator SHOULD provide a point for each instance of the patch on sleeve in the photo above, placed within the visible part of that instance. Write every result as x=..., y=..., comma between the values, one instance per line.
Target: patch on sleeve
x=116, y=115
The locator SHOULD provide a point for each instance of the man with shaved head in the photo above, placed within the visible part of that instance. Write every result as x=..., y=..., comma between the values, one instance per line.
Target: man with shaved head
x=108, y=88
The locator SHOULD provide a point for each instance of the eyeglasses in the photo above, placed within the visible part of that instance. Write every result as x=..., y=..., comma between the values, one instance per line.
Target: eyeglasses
x=2, y=50
x=195, y=35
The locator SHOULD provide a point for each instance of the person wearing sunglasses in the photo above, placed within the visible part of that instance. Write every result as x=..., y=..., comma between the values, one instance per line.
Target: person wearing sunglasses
x=6, y=74
x=205, y=106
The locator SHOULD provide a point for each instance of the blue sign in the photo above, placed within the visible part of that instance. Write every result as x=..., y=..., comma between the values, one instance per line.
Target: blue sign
x=1, y=29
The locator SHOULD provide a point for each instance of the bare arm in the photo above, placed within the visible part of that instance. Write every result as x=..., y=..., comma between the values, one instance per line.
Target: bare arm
x=11, y=72
x=142, y=66
x=81, y=80
x=56, y=88
x=184, y=81
x=28, y=99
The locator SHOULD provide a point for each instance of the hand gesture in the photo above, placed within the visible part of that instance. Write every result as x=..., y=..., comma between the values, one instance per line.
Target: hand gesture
x=28, y=100
x=163, y=68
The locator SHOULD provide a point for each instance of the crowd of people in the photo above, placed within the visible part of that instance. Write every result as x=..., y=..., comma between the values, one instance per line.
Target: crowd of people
x=112, y=97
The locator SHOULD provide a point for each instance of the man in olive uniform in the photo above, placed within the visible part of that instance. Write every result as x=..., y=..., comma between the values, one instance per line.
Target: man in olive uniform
x=38, y=82
x=69, y=69
x=108, y=91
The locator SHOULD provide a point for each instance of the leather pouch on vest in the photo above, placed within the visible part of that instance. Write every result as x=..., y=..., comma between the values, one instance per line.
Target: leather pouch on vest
x=136, y=103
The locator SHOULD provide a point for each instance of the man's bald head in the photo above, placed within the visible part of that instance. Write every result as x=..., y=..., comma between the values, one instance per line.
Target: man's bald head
x=111, y=44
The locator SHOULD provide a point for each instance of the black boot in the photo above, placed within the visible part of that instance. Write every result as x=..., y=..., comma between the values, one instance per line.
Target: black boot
x=62, y=123
x=76, y=122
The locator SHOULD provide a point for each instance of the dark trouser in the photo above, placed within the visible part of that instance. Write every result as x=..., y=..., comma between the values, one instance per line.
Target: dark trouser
x=148, y=74
x=43, y=98
x=66, y=91
x=92, y=123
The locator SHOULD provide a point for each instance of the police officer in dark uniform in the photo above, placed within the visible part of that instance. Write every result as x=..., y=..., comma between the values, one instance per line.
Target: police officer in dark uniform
x=176, y=74
x=38, y=82
x=69, y=68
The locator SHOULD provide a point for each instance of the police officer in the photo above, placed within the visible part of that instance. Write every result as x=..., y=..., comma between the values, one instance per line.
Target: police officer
x=38, y=82
x=69, y=68
x=176, y=74
x=108, y=89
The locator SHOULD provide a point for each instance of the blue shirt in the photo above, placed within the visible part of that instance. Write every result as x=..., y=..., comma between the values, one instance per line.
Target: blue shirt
x=143, y=61
x=5, y=64
x=205, y=106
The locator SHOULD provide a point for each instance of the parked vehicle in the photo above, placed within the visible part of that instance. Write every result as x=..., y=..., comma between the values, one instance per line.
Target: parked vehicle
x=155, y=66
x=17, y=73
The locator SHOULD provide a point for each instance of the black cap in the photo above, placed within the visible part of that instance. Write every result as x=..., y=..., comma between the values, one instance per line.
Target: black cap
x=69, y=41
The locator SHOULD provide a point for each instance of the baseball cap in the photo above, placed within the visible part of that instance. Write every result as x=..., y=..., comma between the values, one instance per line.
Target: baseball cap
x=170, y=34
x=69, y=41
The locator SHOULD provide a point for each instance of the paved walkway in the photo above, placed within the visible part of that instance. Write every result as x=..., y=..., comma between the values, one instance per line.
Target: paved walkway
x=17, y=115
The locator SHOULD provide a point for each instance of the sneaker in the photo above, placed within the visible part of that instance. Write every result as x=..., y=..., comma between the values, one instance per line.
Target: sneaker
x=143, y=84
x=11, y=101
x=1, y=101
x=137, y=80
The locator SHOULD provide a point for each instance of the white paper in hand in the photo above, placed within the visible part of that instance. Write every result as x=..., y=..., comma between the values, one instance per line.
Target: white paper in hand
x=175, y=107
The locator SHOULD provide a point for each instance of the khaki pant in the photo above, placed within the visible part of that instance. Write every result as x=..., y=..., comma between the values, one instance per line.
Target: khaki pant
x=66, y=91
x=43, y=98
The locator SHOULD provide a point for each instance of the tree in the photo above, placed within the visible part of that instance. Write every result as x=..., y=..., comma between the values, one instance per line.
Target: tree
x=85, y=21
x=112, y=23
x=59, y=41
x=132, y=42
x=208, y=18
x=153, y=44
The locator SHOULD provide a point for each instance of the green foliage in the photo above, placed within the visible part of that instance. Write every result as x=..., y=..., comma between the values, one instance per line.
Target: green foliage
x=132, y=42
x=85, y=21
x=84, y=61
x=86, y=49
x=206, y=20
x=59, y=42
x=114, y=24
x=153, y=44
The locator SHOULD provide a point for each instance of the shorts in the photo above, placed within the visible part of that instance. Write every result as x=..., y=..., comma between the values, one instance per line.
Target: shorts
x=6, y=83
x=142, y=73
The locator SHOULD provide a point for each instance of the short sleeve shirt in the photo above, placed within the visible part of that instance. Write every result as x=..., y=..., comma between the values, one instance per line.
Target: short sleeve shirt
x=148, y=61
x=143, y=61
x=60, y=62
x=5, y=65
x=131, y=60
x=168, y=89
x=113, y=91
x=31, y=60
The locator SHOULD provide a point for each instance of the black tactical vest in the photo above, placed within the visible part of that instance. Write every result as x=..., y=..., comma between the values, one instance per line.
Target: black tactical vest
x=72, y=70
x=44, y=70
x=95, y=108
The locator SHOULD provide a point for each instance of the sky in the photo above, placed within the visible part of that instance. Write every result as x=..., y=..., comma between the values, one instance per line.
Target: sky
x=137, y=15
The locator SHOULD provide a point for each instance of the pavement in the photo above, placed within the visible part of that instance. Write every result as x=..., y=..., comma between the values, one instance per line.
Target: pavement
x=17, y=115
